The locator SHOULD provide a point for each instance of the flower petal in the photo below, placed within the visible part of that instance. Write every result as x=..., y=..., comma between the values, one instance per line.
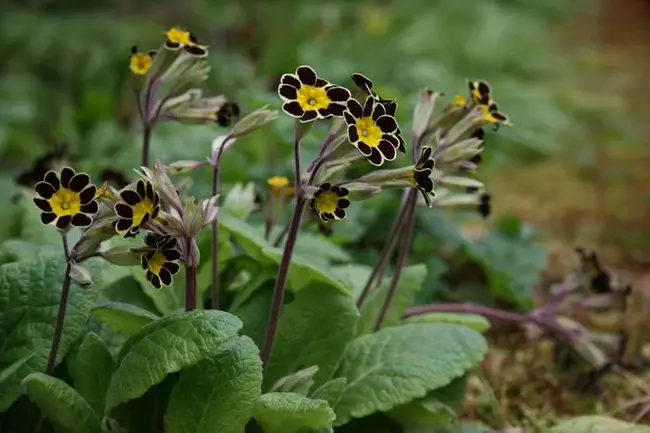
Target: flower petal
x=293, y=109
x=172, y=267
x=90, y=208
x=165, y=276
x=53, y=179
x=355, y=108
x=378, y=111
x=335, y=109
x=375, y=157
x=290, y=80
x=43, y=204
x=172, y=254
x=149, y=193
x=130, y=197
x=353, y=134
x=123, y=225
x=79, y=182
x=343, y=203
x=81, y=220
x=338, y=93
x=287, y=93
x=339, y=213
x=66, y=176
x=363, y=83
x=63, y=222
x=349, y=118
x=154, y=280
x=367, y=107
x=364, y=148
x=387, y=124
x=308, y=116
x=390, y=106
x=387, y=150
x=47, y=217
x=321, y=83
x=306, y=75
x=88, y=194
x=124, y=211
x=44, y=189
x=141, y=189
x=324, y=113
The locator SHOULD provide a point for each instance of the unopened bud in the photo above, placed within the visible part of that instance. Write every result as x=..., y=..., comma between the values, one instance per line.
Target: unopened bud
x=254, y=121
x=122, y=256
x=81, y=276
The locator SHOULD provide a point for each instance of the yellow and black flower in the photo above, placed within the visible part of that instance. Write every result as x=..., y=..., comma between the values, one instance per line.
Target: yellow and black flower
x=137, y=207
x=181, y=39
x=140, y=62
x=307, y=97
x=162, y=262
x=66, y=199
x=480, y=135
x=491, y=114
x=372, y=130
x=479, y=91
x=423, y=175
x=330, y=202
x=485, y=205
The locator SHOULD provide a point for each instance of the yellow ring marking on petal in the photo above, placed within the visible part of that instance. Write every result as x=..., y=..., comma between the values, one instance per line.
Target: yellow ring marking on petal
x=368, y=131
x=313, y=98
x=65, y=202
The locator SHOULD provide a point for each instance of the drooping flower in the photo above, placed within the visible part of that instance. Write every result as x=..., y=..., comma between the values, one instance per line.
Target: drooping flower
x=423, y=175
x=162, y=262
x=307, y=97
x=140, y=62
x=66, y=199
x=372, y=131
x=179, y=38
x=330, y=202
x=479, y=91
x=136, y=208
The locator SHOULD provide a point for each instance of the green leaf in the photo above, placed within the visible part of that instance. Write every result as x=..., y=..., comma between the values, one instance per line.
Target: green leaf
x=61, y=404
x=126, y=289
x=300, y=382
x=288, y=412
x=18, y=250
x=29, y=302
x=168, y=299
x=302, y=272
x=330, y=391
x=167, y=346
x=218, y=394
x=598, y=424
x=90, y=369
x=11, y=370
x=475, y=321
x=126, y=319
x=409, y=284
x=240, y=201
x=313, y=330
x=353, y=277
x=311, y=244
x=254, y=313
x=399, y=364
x=247, y=237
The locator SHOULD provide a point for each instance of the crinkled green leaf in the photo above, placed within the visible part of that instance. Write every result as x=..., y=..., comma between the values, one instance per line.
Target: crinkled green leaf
x=598, y=424
x=409, y=284
x=60, y=403
x=289, y=412
x=300, y=382
x=218, y=394
x=11, y=370
x=330, y=391
x=123, y=318
x=167, y=346
x=18, y=250
x=399, y=364
x=90, y=368
x=312, y=244
x=474, y=321
x=126, y=289
x=254, y=312
x=302, y=272
x=29, y=302
x=313, y=330
x=353, y=277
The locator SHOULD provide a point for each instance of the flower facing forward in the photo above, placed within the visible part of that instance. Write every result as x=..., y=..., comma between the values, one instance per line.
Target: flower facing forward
x=162, y=262
x=179, y=38
x=66, y=199
x=330, y=202
x=136, y=208
x=372, y=131
x=307, y=97
x=140, y=62
x=422, y=175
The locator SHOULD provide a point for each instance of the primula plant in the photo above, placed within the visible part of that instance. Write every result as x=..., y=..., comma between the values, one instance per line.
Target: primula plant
x=170, y=313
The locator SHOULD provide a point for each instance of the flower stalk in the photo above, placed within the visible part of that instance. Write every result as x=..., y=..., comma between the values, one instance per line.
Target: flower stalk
x=216, y=162
x=63, y=304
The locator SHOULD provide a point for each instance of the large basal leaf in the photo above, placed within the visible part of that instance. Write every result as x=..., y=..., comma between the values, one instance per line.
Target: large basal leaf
x=167, y=346
x=598, y=424
x=218, y=394
x=330, y=391
x=29, y=302
x=409, y=284
x=314, y=330
x=254, y=313
x=90, y=368
x=61, y=404
x=399, y=364
x=289, y=412
x=353, y=277
x=126, y=319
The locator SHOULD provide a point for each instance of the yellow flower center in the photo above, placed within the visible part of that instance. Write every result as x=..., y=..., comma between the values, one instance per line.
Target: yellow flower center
x=140, y=209
x=368, y=132
x=179, y=36
x=65, y=202
x=313, y=98
x=326, y=202
x=155, y=263
x=278, y=182
x=459, y=101
x=487, y=116
x=140, y=63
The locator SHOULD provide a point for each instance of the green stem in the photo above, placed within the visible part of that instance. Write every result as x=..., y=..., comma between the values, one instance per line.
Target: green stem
x=63, y=304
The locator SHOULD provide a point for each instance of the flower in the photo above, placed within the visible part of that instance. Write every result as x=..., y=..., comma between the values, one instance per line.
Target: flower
x=458, y=102
x=372, y=131
x=307, y=97
x=136, y=208
x=485, y=205
x=278, y=182
x=140, y=62
x=479, y=134
x=479, y=91
x=162, y=262
x=491, y=114
x=178, y=38
x=422, y=175
x=330, y=202
x=66, y=199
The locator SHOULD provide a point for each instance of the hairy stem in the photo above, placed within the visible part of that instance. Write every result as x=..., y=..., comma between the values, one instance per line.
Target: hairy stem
x=214, y=293
x=63, y=304
x=190, y=280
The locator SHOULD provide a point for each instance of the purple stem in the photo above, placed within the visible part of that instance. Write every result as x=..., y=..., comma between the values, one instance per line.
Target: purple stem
x=63, y=304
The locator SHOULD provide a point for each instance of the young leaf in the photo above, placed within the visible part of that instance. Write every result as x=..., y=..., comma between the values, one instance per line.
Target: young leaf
x=598, y=424
x=314, y=330
x=399, y=364
x=302, y=272
x=240, y=200
x=60, y=403
x=29, y=302
x=330, y=391
x=409, y=284
x=475, y=321
x=288, y=412
x=218, y=394
x=167, y=346
x=123, y=318
x=300, y=382
x=91, y=368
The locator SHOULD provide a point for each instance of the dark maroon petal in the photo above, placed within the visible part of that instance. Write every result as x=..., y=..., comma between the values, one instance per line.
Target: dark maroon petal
x=343, y=192
x=338, y=94
x=390, y=106
x=124, y=211
x=353, y=134
x=327, y=216
x=335, y=189
x=483, y=88
x=196, y=50
x=343, y=203
x=143, y=262
x=325, y=113
x=349, y=118
x=156, y=199
x=165, y=277
x=325, y=186
x=43, y=205
x=364, y=148
x=172, y=45
x=321, y=82
x=293, y=109
x=44, y=189
x=172, y=254
x=149, y=193
x=479, y=134
x=429, y=164
x=169, y=243
x=288, y=92
x=426, y=153
x=90, y=208
x=306, y=75
x=88, y=194
x=154, y=280
x=362, y=82
x=387, y=124
x=172, y=267
x=53, y=179
x=378, y=112
x=123, y=225
x=309, y=116
x=141, y=189
x=145, y=219
x=423, y=179
x=492, y=106
x=375, y=157
x=130, y=197
x=426, y=198
x=355, y=108
x=133, y=231
x=391, y=139
x=63, y=222
x=339, y=213
x=290, y=80
x=81, y=220
x=387, y=150
x=66, y=176
x=155, y=212
x=79, y=182
x=500, y=116
x=47, y=217
x=336, y=109
x=367, y=107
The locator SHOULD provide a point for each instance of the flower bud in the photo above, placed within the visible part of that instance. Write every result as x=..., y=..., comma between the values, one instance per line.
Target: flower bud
x=183, y=167
x=423, y=111
x=80, y=275
x=122, y=256
x=253, y=121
